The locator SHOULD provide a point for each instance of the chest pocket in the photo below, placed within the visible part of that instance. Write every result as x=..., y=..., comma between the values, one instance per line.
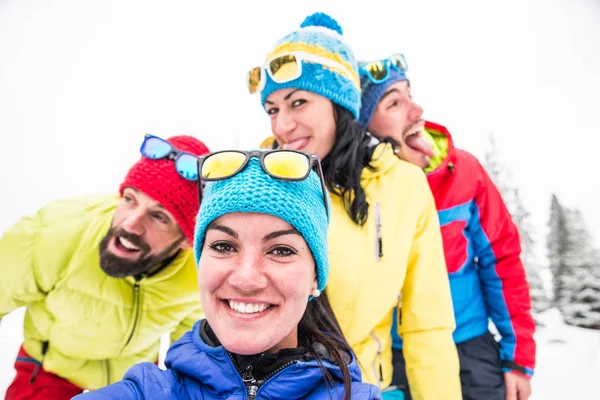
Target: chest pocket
x=456, y=245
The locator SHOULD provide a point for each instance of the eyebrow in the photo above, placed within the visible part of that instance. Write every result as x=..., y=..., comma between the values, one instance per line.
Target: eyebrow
x=156, y=204
x=223, y=229
x=388, y=93
x=290, y=94
x=276, y=234
x=287, y=97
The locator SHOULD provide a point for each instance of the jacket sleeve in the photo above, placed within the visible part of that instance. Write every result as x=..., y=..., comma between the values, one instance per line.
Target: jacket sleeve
x=22, y=280
x=188, y=323
x=125, y=390
x=142, y=381
x=427, y=317
x=497, y=247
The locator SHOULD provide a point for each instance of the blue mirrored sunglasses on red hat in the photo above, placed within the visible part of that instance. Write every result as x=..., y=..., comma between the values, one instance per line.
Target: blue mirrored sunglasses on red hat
x=156, y=148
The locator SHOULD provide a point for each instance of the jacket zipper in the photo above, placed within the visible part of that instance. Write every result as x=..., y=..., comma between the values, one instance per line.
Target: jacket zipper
x=252, y=385
x=107, y=363
x=136, y=315
x=377, y=366
x=38, y=366
x=136, y=312
x=378, y=233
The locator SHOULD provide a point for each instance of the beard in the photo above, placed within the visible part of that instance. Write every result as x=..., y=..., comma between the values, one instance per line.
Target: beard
x=119, y=267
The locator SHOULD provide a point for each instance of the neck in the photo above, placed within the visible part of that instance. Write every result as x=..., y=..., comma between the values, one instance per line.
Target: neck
x=261, y=365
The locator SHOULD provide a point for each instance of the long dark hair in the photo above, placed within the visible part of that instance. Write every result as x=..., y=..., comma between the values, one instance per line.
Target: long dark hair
x=319, y=325
x=343, y=166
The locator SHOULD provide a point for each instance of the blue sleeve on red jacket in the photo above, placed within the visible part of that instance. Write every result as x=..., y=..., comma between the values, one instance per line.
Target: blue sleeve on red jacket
x=498, y=250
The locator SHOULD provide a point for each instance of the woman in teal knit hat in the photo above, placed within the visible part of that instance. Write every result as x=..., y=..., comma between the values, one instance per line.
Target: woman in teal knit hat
x=384, y=242
x=269, y=333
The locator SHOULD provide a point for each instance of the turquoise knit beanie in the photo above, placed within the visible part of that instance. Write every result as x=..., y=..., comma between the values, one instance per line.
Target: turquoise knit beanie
x=320, y=35
x=299, y=203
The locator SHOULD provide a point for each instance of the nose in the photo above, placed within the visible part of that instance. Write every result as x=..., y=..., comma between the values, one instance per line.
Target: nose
x=134, y=223
x=416, y=112
x=248, y=275
x=283, y=123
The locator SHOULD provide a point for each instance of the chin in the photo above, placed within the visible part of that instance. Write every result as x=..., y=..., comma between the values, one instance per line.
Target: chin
x=246, y=344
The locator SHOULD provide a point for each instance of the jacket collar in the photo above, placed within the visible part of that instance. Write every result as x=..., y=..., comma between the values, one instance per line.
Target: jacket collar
x=213, y=368
x=383, y=160
x=448, y=164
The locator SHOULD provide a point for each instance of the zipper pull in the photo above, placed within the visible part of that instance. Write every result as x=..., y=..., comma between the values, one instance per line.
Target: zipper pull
x=247, y=376
x=252, y=390
x=378, y=231
x=250, y=382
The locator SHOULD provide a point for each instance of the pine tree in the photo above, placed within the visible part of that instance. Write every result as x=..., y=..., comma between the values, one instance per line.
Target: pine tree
x=557, y=247
x=581, y=280
x=501, y=176
x=582, y=307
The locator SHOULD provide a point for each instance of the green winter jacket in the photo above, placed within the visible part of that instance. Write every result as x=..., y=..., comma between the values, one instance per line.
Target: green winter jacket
x=94, y=327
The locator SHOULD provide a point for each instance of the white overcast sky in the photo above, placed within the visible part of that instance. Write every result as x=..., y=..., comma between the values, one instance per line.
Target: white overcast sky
x=81, y=82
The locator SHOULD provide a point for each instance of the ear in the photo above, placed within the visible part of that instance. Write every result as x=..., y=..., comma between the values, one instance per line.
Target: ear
x=315, y=292
x=315, y=284
x=186, y=244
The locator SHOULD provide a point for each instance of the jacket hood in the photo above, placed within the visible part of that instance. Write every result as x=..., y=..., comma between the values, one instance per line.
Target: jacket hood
x=383, y=160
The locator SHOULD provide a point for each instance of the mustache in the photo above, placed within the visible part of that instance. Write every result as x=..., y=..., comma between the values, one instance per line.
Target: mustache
x=413, y=127
x=133, y=238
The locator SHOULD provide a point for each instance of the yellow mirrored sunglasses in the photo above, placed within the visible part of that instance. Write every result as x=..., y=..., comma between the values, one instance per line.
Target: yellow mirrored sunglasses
x=287, y=67
x=287, y=165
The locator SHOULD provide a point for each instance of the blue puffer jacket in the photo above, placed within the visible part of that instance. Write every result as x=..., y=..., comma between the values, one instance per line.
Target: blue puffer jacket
x=196, y=370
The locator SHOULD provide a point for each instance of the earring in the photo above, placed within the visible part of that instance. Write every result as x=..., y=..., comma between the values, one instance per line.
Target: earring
x=396, y=150
x=316, y=293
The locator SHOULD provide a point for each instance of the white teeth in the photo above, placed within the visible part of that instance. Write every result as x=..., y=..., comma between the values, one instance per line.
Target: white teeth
x=127, y=244
x=249, y=308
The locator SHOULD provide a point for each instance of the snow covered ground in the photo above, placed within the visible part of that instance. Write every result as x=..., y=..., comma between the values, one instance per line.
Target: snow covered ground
x=568, y=361
x=568, y=358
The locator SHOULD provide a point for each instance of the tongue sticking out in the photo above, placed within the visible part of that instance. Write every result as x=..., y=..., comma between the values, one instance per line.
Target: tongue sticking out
x=416, y=142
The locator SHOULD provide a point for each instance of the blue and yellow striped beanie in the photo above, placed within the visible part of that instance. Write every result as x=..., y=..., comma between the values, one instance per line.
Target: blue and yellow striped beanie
x=299, y=203
x=320, y=35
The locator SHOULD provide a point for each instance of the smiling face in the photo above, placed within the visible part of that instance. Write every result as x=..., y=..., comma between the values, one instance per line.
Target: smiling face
x=399, y=117
x=302, y=120
x=255, y=276
x=143, y=234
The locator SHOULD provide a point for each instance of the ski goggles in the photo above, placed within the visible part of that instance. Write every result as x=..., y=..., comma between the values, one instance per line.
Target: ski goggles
x=379, y=71
x=286, y=165
x=287, y=67
x=156, y=148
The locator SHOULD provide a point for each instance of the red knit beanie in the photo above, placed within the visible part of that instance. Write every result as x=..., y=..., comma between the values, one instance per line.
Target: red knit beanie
x=160, y=180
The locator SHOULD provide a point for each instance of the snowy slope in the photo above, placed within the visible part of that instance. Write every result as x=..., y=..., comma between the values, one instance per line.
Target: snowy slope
x=568, y=358
x=568, y=361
